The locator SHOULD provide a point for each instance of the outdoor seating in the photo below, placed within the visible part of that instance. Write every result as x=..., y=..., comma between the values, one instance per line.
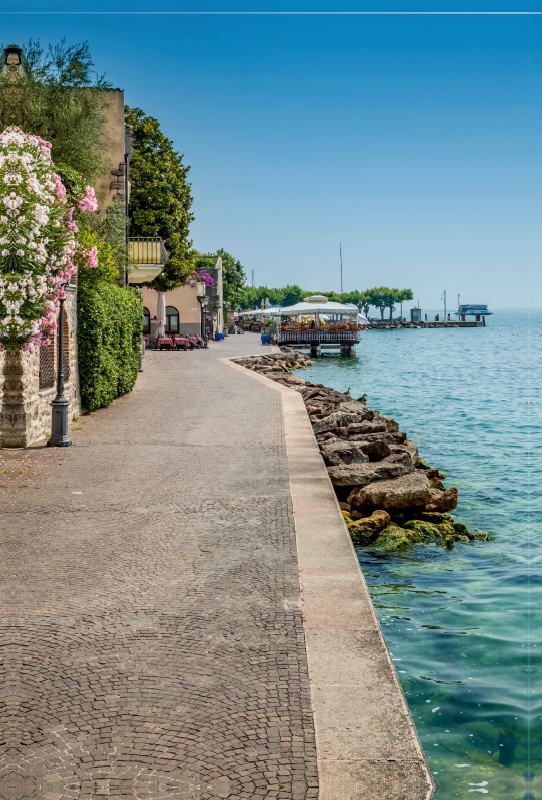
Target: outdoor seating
x=181, y=343
x=164, y=342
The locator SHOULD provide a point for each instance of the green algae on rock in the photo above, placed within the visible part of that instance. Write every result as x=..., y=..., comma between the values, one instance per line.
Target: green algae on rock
x=380, y=532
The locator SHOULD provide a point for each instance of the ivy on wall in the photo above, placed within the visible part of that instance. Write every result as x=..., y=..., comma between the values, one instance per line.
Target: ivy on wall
x=109, y=324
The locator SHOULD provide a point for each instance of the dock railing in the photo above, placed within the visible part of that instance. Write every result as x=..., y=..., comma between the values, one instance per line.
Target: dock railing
x=318, y=337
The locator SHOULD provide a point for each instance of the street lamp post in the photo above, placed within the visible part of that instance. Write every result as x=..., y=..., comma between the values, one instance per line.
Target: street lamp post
x=60, y=405
x=204, y=302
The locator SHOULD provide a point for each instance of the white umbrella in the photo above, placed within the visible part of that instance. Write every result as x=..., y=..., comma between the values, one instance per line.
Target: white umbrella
x=264, y=312
x=161, y=315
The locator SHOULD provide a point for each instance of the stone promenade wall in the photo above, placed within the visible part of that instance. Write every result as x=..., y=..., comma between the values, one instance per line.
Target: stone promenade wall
x=25, y=409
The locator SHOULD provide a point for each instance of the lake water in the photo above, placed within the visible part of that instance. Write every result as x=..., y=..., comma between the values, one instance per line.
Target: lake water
x=464, y=625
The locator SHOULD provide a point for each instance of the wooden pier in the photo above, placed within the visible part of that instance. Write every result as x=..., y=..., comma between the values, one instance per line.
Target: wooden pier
x=449, y=323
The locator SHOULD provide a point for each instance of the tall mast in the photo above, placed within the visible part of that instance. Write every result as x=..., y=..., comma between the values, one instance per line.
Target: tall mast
x=341, y=257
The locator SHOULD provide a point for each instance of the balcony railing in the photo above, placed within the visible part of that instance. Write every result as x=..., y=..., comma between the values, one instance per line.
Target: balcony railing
x=147, y=257
x=318, y=337
x=146, y=250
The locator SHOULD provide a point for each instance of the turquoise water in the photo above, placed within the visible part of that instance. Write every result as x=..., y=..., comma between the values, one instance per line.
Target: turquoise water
x=463, y=625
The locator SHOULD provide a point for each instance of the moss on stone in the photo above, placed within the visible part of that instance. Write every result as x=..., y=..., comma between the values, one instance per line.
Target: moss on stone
x=393, y=537
x=482, y=535
x=362, y=538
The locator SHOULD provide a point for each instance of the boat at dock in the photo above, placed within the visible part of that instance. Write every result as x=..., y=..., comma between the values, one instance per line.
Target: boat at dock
x=479, y=311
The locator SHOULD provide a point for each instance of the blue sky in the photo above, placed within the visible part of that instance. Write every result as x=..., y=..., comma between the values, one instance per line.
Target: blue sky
x=413, y=140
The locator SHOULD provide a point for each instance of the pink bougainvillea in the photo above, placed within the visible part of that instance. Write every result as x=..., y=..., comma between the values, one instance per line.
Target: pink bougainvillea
x=203, y=276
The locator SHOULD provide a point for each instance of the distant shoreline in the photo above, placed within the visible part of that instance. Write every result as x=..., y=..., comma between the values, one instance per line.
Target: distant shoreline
x=523, y=310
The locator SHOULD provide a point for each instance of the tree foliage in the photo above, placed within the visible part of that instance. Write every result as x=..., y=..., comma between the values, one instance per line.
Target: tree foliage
x=251, y=297
x=381, y=297
x=58, y=96
x=160, y=198
x=233, y=274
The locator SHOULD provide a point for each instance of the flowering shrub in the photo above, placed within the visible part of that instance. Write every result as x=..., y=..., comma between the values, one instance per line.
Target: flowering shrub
x=88, y=202
x=37, y=240
x=94, y=259
x=203, y=276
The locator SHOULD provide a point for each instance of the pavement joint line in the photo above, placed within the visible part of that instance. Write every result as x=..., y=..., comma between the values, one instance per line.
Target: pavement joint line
x=385, y=717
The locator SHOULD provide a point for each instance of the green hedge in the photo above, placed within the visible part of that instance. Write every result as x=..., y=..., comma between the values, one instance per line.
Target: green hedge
x=109, y=330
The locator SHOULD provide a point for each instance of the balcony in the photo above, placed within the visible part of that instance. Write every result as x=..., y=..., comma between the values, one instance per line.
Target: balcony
x=147, y=258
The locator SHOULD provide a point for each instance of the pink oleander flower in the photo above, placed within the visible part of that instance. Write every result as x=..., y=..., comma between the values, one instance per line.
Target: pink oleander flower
x=92, y=257
x=60, y=188
x=88, y=202
x=36, y=216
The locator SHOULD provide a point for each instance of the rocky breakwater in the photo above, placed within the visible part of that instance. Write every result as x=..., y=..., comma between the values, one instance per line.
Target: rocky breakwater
x=389, y=496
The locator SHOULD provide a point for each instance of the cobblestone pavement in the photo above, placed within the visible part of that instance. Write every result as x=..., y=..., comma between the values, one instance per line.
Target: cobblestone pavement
x=152, y=636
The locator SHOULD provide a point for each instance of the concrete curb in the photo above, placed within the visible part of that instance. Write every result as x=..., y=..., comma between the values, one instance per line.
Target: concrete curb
x=366, y=742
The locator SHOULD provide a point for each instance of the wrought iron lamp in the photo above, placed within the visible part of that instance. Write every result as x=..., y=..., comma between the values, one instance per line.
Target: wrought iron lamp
x=60, y=405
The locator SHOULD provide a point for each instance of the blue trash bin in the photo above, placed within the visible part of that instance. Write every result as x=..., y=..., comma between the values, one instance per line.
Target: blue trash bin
x=219, y=337
x=265, y=338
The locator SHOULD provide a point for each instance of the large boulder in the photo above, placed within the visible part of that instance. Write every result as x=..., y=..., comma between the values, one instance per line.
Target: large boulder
x=339, y=419
x=340, y=452
x=364, y=531
x=357, y=407
x=407, y=447
x=391, y=424
x=366, y=426
x=374, y=449
x=371, y=437
x=407, y=491
x=357, y=474
x=274, y=374
x=289, y=380
x=318, y=410
x=442, y=501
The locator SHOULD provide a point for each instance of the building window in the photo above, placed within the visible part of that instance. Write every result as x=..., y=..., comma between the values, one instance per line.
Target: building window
x=146, y=320
x=172, y=320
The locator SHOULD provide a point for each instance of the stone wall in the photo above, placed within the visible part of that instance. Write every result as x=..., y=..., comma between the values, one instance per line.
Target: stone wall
x=111, y=184
x=25, y=409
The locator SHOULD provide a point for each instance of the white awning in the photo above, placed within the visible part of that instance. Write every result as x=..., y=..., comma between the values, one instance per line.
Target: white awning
x=304, y=309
